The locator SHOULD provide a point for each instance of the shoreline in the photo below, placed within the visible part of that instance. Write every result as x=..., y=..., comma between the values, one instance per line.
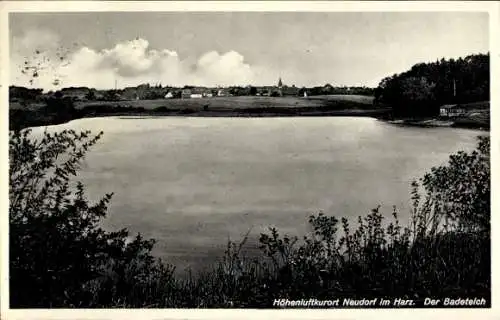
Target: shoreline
x=30, y=119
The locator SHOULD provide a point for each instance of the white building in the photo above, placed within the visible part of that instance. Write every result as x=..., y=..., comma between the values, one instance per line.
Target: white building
x=169, y=95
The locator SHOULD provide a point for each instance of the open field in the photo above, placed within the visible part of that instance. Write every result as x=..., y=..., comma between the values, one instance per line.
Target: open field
x=243, y=102
x=14, y=105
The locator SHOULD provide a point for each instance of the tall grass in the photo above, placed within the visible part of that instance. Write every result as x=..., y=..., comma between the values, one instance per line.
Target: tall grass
x=366, y=262
x=369, y=261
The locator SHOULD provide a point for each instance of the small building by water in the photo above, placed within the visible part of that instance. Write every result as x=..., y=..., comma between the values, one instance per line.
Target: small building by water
x=452, y=110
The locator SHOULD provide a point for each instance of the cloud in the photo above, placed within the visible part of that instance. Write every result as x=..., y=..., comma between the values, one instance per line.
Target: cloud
x=134, y=58
x=230, y=68
x=129, y=63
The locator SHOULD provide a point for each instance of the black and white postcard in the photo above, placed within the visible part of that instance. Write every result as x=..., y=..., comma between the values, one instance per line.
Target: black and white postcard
x=291, y=159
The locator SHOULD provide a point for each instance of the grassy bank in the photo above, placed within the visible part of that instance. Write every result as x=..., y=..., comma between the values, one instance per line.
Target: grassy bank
x=241, y=102
x=444, y=123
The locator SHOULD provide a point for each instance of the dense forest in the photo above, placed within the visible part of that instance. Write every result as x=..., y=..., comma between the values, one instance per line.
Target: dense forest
x=420, y=91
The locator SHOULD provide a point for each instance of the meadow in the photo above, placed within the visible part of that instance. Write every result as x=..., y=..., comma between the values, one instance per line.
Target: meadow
x=242, y=102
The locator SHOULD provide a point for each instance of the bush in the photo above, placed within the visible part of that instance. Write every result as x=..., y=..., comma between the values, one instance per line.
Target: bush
x=459, y=193
x=58, y=252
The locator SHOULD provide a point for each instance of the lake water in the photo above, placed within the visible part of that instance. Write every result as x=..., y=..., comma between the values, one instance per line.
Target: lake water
x=192, y=183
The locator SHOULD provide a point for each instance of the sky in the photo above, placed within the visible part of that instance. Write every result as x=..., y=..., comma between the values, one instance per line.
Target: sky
x=104, y=49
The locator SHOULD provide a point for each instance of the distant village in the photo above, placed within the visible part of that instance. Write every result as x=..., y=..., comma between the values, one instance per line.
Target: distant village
x=157, y=91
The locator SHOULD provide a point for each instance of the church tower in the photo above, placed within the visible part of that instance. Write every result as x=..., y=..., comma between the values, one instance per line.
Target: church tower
x=280, y=88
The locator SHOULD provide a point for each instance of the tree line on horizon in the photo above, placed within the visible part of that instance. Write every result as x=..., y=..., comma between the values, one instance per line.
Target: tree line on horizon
x=426, y=86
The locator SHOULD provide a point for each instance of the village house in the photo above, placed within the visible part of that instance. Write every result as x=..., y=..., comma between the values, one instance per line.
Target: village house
x=169, y=95
x=222, y=93
x=452, y=110
x=303, y=92
x=203, y=91
x=272, y=90
x=143, y=91
x=130, y=93
x=76, y=93
x=196, y=93
x=279, y=90
x=186, y=93
x=289, y=91
x=264, y=91
x=99, y=94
